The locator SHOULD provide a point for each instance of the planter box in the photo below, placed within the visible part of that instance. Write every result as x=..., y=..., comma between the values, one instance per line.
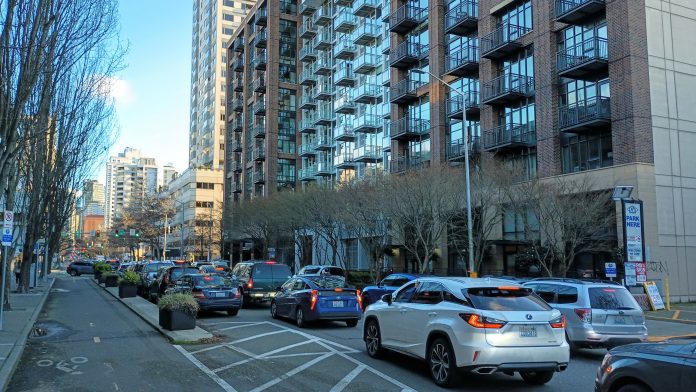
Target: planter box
x=111, y=281
x=176, y=320
x=101, y=279
x=97, y=275
x=127, y=290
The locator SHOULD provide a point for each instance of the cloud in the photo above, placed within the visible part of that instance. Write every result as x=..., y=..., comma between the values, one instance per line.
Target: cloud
x=121, y=91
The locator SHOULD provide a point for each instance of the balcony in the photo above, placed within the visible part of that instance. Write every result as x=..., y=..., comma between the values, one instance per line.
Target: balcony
x=307, y=149
x=238, y=64
x=324, y=117
x=325, y=169
x=405, y=91
x=238, y=105
x=236, y=188
x=238, y=84
x=366, y=7
x=344, y=160
x=408, y=128
x=323, y=143
x=238, y=45
x=456, y=105
x=365, y=63
x=507, y=88
x=344, y=105
x=367, y=123
x=367, y=93
x=509, y=137
x=344, y=133
x=259, y=177
x=237, y=166
x=238, y=124
x=585, y=115
x=260, y=107
x=462, y=18
x=323, y=67
x=308, y=7
x=344, y=49
x=407, y=54
x=236, y=145
x=463, y=62
x=261, y=17
x=308, y=77
x=503, y=41
x=366, y=33
x=261, y=39
x=308, y=31
x=456, y=149
x=345, y=22
x=307, y=102
x=587, y=60
x=406, y=17
x=259, y=85
x=307, y=125
x=344, y=75
x=258, y=131
x=368, y=154
x=343, y=3
x=323, y=17
x=308, y=54
x=260, y=61
x=573, y=11
x=308, y=173
x=323, y=40
x=323, y=91
x=402, y=164
x=259, y=154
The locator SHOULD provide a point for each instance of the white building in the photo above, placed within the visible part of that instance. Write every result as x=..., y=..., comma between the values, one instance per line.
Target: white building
x=169, y=173
x=129, y=177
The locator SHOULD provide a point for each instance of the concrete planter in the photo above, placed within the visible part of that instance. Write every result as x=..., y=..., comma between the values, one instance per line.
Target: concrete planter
x=97, y=275
x=127, y=290
x=101, y=279
x=111, y=281
x=175, y=320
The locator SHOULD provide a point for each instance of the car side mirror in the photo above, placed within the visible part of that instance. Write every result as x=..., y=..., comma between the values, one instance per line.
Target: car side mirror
x=380, y=284
x=387, y=298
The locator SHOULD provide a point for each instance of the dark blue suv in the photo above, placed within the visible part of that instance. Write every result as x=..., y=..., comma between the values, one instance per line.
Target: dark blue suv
x=77, y=268
x=372, y=294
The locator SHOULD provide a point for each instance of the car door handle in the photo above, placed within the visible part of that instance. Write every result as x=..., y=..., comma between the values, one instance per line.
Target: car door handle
x=432, y=314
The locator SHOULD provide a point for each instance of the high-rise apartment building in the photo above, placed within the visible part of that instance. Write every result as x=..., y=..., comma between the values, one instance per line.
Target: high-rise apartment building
x=214, y=21
x=169, y=173
x=129, y=178
x=565, y=88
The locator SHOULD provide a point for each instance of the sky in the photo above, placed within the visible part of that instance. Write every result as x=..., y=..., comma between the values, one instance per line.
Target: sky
x=152, y=92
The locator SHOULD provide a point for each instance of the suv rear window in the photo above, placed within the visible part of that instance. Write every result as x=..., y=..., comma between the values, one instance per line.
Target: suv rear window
x=179, y=272
x=263, y=270
x=154, y=267
x=335, y=271
x=494, y=298
x=611, y=298
x=212, y=281
x=328, y=282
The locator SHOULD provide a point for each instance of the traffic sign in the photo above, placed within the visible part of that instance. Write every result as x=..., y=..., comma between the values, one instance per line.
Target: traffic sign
x=7, y=226
x=610, y=270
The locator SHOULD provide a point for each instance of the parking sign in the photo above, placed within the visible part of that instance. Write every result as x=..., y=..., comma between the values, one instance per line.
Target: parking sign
x=7, y=225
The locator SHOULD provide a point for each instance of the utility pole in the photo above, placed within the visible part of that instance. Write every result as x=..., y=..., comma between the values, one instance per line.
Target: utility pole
x=210, y=230
x=164, y=247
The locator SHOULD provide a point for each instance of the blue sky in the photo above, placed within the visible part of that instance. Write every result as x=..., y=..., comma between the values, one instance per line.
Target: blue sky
x=152, y=93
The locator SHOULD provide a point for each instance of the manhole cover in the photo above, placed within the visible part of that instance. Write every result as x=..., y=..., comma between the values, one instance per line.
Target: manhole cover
x=49, y=330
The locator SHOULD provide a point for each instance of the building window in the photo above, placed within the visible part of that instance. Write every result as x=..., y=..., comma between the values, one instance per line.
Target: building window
x=586, y=152
x=228, y=17
x=350, y=249
x=520, y=15
x=286, y=174
x=288, y=7
x=287, y=100
x=205, y=185
x=516, y=225
x=204, y=204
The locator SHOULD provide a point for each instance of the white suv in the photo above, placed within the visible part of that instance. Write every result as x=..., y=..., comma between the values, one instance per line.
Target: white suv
x=472, y=325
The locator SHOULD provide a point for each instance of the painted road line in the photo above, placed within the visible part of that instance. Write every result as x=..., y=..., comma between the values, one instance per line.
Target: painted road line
x=310, y=336
x=237, y=341
x=97, y=339
x=676, y=314
x=347, y=379
x=222, y=383
x=291, y=373
x=261, y=356
x=240, y=326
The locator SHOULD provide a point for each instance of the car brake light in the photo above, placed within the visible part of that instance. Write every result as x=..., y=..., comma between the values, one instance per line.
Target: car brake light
x=237, y=294
x=584, y=314
x=313, y=300
x=338, y=289
x=198, y=294
x=270, y=262
x=477, y=321
x=508, y=288
x=357, y=294
x=559, y=322
x=250, y=283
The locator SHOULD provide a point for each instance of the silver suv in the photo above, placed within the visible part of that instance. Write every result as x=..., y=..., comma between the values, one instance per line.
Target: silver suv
x=599, y=314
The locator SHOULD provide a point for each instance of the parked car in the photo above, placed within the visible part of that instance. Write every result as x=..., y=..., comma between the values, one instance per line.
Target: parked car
x=469, y=325
x=389, y=284
x=215, y=269
x=312, y=298
x=165, y=278
x=316, y=270
x=123, y=267
x=259, y=280
x=213, y=292
x=148, y=272
x=599, y=314
x=77, y=268
x=641, y=367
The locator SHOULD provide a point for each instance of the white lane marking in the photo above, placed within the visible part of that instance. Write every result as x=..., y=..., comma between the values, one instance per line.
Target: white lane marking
x=261, y=356
x=116, y=386
x=295, y=355
x=239, y=326
x=347, y=379
x=222, y=383
x=97, y=339
x=291, y=373
x=233, y=322
x=79, y=360
x=91, y=324
x=256, y=337
x=44, y=363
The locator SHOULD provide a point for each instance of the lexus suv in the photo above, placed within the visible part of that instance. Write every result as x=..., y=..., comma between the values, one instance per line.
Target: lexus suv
x=474, y=325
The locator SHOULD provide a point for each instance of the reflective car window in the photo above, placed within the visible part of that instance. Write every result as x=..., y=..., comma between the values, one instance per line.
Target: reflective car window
x=176, y=273
x=405, y=294
x=299, y=285
x=494, y=298
x=212, y=281
x=429, y=293
x=566, y=294
x=400, y=281
x=328, y=282
x=335, y=271
x=611, y=298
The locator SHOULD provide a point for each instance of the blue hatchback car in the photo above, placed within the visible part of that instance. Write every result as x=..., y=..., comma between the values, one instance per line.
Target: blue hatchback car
x=389, y=284
x=310, y=298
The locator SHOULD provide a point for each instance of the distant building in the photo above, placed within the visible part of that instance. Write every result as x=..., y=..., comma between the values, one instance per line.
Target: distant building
x=168, y=174
x=129, y=178
x=90, y=207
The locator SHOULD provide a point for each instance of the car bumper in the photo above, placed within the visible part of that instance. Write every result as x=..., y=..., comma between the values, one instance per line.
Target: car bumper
x=220, y=304
x=597, y=339
x=336, y=315
x=261, y=296
x=490, y=359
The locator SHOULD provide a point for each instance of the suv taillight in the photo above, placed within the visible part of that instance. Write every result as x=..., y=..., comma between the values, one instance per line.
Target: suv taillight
x=477, y=321
x=559, y=322
x=584, y=314
x=313, y=300
x=357, y=294
x=250, y=283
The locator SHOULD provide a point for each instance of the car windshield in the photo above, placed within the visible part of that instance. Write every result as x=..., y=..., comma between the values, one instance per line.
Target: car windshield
x=179, y=272
x=212, y=281
x=208, y=269
x=501, y=299
x=611, y=298
x=335, y=271
x=154, y=267
x=328, y=282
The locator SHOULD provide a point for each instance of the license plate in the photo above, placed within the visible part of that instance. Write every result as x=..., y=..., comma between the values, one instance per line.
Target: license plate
x=337, y=304
x=620, y=320
x=218, y=294
x=528, y=332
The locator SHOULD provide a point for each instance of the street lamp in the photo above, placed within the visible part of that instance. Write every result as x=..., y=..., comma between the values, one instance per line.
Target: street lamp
x=469, y=231
x=181, y=229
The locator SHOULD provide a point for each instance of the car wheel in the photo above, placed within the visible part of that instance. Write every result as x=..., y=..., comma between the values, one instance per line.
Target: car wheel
x=537, y=378
x=73, y=273
x=274, y=310
x=299, y=317
x=352, y=323
x=373, y=339
x=232, y=312
x=442, y=364
x=633, y=388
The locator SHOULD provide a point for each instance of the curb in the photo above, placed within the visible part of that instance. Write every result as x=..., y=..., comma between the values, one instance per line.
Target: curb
x=12, y=360
x=671, y=320
x=170, y=335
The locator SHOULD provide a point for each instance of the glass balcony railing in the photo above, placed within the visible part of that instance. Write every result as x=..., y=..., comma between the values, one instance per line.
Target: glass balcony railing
x=307, y=101
x=323, y=40
x=238, y=45
x=260, y=107
x=324, y=117
x=405, y=90
x=456, y=105
x=261, y=16
x=456, y=149
x=507, y=88
x=308, y=30
x=307, y=125
x=408, y=128
x=367, y=123
x=258, y=130
x=308, y=7
x=588, y=58
x=406, y=17
x=402, y=164
x=345, y=22
x=307, y=148
x=586, y=114
x=259, y=176
x=323, y=16
x=307, y=173
x=260, y=61
x=323, y=143
x=464, y=61
x=344, y=75
x=308, y=53
x=344, y=104
x=406, y=54
x=574, y=11
x=366, y=33
x=368, y=154
x=366, y=7
x=259, y=153
x=308, y=77
x=366, y=63
x=344, y=132
x=509, y=136
x=325, y=168
x=344, y=160
x=261, y=39
x=366, y=93
x=503, y=41
x=462, y=18
x=324, y=91
x=344, y=49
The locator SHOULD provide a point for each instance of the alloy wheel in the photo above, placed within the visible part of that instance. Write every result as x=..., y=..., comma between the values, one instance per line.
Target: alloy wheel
x=440, y=363
x=372, y=339
x=274, y=310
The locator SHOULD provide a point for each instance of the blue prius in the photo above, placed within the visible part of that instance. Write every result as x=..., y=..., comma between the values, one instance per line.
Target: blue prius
x=310, y=298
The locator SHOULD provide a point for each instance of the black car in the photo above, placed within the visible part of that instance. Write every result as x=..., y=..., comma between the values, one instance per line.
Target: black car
x=259, y=280
x=148, y=273
x=642, y=367
x=78, y=268
x=166, y=277
x=213, y=292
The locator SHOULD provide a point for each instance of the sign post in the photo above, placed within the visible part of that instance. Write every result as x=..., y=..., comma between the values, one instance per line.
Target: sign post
x=634, y=243
x=610, y=270
x=7, y=227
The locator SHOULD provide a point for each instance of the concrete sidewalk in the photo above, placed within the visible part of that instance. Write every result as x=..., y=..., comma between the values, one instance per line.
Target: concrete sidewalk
x=17, y=324
x=149, y=312
x=680, y=313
